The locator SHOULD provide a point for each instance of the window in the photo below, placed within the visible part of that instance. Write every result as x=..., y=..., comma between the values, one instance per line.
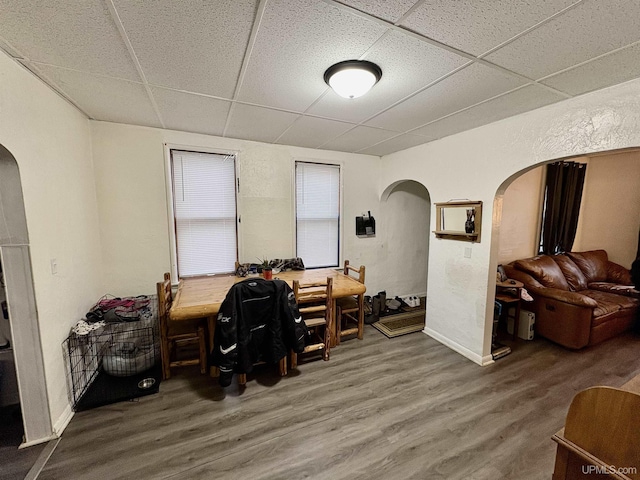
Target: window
x=204, y=206
x=317, y=214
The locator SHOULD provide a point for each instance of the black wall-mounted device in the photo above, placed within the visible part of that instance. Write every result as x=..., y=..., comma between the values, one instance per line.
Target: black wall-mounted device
x=366, y=225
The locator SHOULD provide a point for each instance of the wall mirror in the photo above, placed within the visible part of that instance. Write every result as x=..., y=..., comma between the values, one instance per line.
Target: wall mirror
x=459, y=220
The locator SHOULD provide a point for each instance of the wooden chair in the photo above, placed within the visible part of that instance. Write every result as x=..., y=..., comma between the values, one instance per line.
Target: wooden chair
x=174, y=335
x=315, y=303
x=350, y=309
x=601, y=434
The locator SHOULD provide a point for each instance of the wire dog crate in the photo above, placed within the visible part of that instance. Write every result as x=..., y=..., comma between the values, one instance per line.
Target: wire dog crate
x=114, y=362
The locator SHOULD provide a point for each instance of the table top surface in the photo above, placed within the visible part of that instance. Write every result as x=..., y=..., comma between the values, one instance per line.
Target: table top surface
x=200, y=297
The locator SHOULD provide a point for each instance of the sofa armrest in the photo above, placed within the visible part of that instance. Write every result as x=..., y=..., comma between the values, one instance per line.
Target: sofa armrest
x=572, y=298
x=618, y=274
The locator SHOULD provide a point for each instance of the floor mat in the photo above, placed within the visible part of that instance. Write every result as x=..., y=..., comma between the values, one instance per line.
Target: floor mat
x=401, y=324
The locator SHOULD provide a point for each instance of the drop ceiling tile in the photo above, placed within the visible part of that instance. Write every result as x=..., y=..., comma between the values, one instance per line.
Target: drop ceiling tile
x=522, y=100
x=104, y=98
x=194, y=46
x=79, y=35
x=191, y=113
x=357, y=139
x=586, y=31
x=476, y=26
x=606, y=71
x=296, y=43
x=407, y=64
x=467, y=87
x=390, y=11
x=312, y=132
x=396, y=144
x=256, y=123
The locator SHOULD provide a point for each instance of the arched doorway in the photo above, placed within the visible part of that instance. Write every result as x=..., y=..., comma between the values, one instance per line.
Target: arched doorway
x=20, y=297
x=406, y=216
x=609, y=215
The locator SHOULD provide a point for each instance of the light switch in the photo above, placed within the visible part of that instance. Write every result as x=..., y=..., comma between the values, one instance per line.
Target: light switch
x=54, y=266
x=467, y=252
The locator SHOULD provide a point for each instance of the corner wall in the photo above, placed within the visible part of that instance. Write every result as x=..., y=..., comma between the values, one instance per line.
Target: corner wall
x=473, y=165
x=610, y=211
x=51, y=143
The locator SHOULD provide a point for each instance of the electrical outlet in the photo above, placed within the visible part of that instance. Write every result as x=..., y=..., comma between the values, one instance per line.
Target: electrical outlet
x=54, y=266
x=467, y=252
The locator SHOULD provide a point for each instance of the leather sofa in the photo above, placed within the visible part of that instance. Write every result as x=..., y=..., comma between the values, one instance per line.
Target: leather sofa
x=580, y=298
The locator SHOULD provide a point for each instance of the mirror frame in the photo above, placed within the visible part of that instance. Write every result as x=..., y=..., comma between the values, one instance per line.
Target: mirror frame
x=456, y=235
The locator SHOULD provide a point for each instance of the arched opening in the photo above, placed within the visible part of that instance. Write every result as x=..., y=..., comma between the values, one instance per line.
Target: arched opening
x=609, y=216
x=403, y=260
x=22, y=321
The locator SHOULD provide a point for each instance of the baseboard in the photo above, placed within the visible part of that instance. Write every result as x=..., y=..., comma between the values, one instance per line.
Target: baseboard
x=456, y=347
x=63, y=421
x=38, y=441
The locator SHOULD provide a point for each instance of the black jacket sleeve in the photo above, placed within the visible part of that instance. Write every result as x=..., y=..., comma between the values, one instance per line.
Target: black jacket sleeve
x=293, y=327
x=225, y=351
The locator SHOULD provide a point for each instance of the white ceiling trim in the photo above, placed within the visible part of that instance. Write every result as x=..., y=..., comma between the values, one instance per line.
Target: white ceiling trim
x=125, y=38
x=32, y=67
x=257, y=21
x=586, y=62
x=468, y=108
x=532, y=28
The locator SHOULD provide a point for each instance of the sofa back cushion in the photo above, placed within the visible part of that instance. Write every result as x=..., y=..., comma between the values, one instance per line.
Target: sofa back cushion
x=576, y=280
x=545, y=270
x=593, y=264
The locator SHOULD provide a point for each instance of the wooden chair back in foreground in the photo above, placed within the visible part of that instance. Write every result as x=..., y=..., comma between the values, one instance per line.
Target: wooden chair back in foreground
x=601, y=435
x=315, y=303
x=175, y=335
x=351, y=309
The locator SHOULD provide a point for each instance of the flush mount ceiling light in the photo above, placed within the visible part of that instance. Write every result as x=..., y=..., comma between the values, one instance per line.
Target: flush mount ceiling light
x=352, y=78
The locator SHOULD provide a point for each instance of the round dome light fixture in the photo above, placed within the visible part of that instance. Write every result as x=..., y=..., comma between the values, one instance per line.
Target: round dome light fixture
x=352, y=78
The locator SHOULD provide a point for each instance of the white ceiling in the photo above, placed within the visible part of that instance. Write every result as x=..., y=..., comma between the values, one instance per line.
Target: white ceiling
x=253, y=69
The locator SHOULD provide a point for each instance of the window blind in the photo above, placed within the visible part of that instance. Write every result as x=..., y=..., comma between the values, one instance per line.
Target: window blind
x=317, y=214
x=204, y=202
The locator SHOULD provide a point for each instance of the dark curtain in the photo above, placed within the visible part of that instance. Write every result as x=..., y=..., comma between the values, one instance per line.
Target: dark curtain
x=563, y=195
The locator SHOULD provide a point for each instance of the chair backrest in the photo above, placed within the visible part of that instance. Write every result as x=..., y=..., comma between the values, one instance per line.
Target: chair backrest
x=165, y=296
x=360, y=271
x=604, y=422
x=314, y=297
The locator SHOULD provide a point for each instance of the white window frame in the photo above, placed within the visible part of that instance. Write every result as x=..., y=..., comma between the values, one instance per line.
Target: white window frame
x=171, y=219
x=294, y=212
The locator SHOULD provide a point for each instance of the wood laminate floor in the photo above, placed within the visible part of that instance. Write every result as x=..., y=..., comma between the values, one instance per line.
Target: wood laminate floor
x=402, y=408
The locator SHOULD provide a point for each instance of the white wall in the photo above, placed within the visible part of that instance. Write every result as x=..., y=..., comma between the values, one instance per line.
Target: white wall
x=51, y=143
x=610, y=210
x=520, y=217
x=134, y=224
x=474, y=164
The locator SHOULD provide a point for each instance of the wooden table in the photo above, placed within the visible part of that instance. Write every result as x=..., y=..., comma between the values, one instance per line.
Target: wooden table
x=201, y=297
x=510, y=300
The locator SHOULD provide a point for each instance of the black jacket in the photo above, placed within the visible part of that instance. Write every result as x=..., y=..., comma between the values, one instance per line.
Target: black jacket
x=258, y=321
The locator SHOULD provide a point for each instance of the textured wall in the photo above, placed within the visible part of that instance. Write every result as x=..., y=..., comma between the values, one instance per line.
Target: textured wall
x=134, y=223
x=51, y=143
x=474, y=165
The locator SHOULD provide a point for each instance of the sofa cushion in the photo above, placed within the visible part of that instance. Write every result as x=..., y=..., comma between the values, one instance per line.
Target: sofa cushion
x=626, y=290
x=593, y=264
x=607, y=302
x=576, y=280
x=544, y=270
